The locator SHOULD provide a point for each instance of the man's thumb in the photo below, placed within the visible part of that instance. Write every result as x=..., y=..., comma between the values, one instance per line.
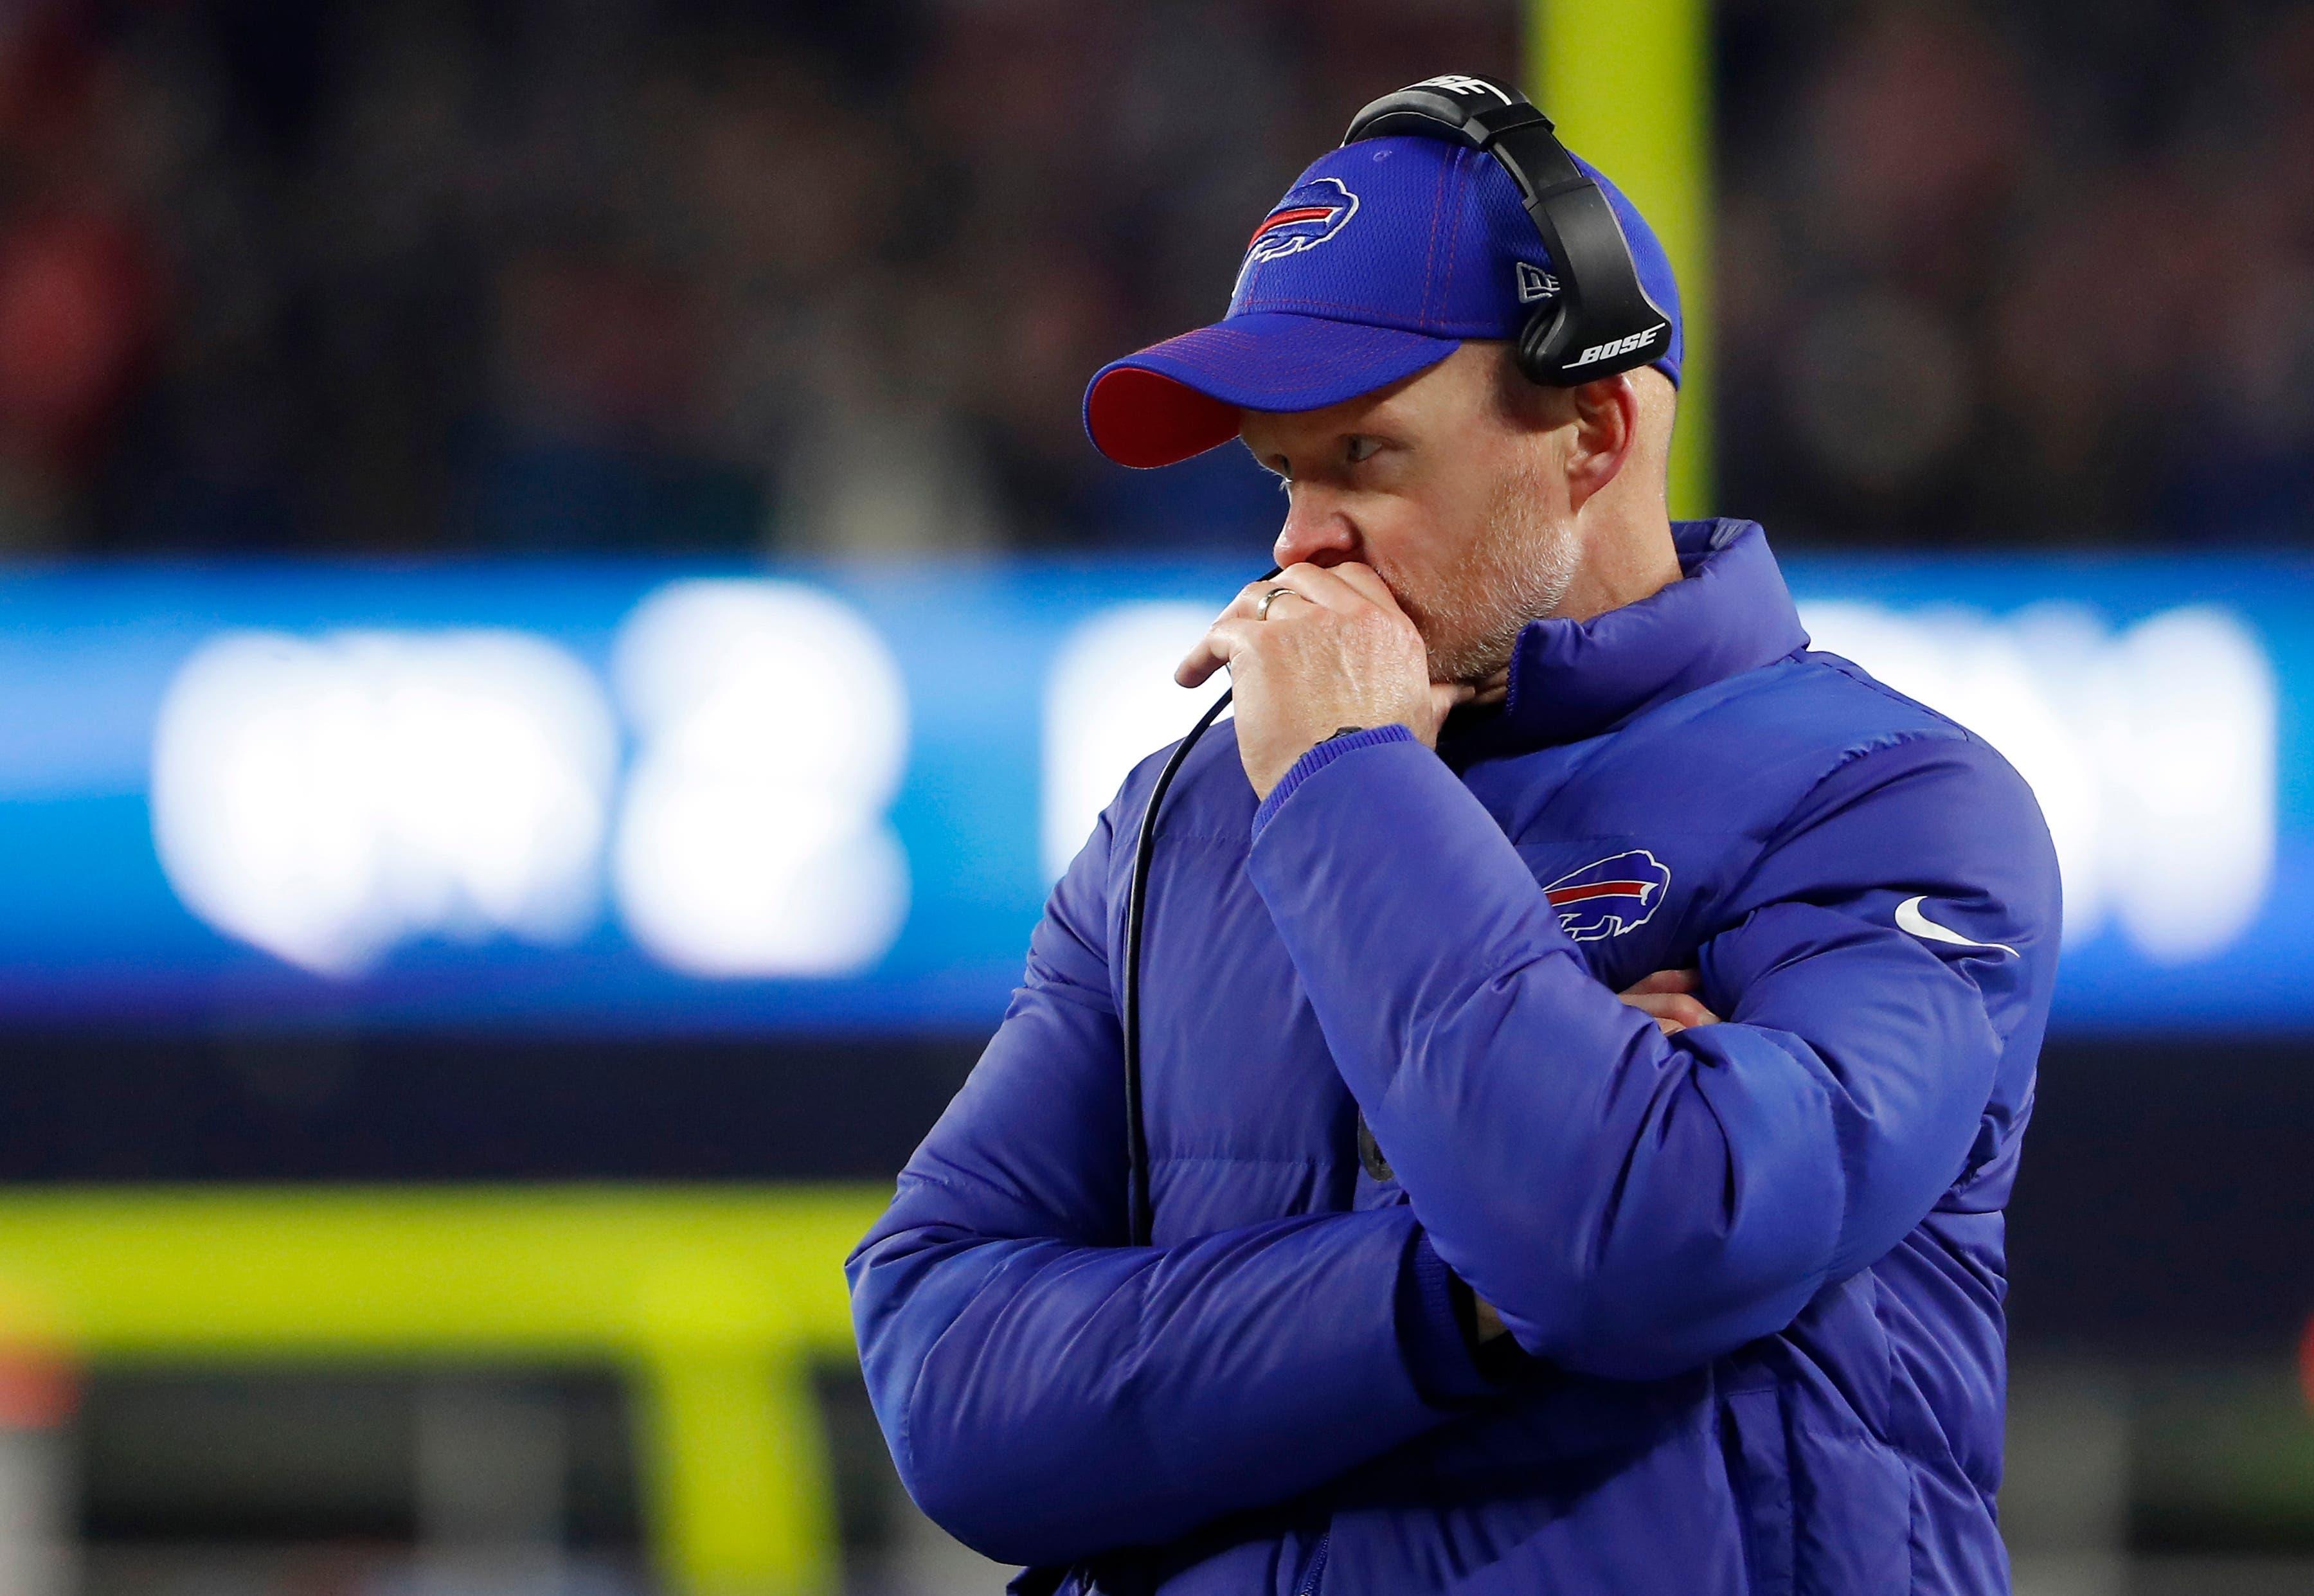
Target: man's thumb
x=1445, y=695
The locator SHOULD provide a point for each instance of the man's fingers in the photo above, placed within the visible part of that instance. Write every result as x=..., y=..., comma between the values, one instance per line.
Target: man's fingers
x=1666, y=981
x=1347, y=589
x=1445, y=695
x=1668, y=995
x=1304, y=583
x=1672, y=1011
x=1222, y=640
x=1368, y=585
x=1200, y=663
x=1321, y=585
x=1246, y=604
x=1344, y=588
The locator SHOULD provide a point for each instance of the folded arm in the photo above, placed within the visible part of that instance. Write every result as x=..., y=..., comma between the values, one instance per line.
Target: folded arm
x=1632, y=1203
x=1048, y=1392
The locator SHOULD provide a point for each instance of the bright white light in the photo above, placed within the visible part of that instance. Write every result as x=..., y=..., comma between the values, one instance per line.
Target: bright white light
x=772, y=725
x=2153, y=753
x=1110, y=700
x=324, y=801
x=2191, y=715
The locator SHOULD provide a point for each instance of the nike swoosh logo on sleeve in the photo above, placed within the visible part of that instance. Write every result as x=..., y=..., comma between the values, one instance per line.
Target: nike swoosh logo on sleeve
x=1909, y=918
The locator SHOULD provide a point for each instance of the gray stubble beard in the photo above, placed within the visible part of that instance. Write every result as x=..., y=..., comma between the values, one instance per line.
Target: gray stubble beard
x=1521, y=570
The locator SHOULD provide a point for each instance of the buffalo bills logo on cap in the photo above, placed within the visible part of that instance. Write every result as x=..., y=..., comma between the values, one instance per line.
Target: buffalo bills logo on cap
x=1309, y=214
x=1614, y=895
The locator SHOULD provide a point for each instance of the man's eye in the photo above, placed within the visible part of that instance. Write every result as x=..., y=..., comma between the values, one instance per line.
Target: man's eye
x=1361, y=448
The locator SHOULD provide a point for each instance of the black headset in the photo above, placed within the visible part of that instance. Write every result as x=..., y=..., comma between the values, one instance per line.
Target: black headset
x=1599, y=320
x=1593, y=321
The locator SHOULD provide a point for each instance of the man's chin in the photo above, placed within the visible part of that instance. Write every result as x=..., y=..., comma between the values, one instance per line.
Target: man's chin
x=1477, y=664
x=1471, y=658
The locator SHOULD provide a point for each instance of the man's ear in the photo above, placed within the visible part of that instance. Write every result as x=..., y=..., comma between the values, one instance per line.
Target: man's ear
x=1606, y=426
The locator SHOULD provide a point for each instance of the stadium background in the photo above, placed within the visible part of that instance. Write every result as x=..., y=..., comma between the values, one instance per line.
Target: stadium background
x=462, y=467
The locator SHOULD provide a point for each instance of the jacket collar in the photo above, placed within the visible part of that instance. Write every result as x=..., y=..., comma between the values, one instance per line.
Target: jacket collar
x=1731, y=614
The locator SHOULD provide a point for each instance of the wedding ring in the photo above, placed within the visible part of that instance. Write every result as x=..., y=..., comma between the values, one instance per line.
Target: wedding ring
x=1261, y=610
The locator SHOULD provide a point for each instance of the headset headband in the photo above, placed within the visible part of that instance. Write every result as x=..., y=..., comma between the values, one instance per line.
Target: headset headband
x=1601, y=320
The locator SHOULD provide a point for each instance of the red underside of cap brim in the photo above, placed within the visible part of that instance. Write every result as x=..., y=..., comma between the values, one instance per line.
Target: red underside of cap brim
x=1143, y=418
x=1184, y=396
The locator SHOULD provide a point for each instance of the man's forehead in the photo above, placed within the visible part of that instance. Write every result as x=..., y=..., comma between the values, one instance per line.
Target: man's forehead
x=1283, y=426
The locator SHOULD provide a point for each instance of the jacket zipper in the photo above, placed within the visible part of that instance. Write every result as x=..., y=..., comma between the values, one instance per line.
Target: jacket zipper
x=1317, y=1565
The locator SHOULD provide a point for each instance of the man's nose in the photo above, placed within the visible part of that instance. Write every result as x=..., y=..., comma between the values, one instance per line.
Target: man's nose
x=1316, y=531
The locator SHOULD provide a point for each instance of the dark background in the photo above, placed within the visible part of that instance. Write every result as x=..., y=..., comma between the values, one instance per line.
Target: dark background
x=431, y=278
x=428, y=276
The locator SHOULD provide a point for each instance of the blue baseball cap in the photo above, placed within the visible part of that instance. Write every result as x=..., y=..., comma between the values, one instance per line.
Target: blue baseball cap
x=1381, y=260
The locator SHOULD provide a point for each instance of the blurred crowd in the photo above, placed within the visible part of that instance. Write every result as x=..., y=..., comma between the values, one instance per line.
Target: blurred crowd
x=2034, y=272
x=587, y=276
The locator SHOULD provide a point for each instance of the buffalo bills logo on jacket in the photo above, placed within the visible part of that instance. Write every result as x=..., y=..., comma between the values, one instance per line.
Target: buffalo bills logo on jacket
x=1309, y=214
x=1612, y=896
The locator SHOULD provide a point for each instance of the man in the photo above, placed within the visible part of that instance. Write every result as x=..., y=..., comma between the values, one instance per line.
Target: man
x=1467, y=1275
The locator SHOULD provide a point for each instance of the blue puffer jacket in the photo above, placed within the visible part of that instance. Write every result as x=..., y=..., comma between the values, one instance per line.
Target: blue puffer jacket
x=1754, y=1270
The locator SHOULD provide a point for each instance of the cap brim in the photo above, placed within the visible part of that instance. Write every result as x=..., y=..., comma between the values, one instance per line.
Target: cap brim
x=1182, y=397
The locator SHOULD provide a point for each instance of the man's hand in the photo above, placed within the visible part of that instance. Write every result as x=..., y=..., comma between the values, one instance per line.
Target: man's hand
x=1336, y=652
x=1670, y=996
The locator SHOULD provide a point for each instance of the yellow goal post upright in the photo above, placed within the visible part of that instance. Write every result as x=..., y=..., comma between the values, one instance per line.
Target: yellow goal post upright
x=1628, y=82
x=716, y=1302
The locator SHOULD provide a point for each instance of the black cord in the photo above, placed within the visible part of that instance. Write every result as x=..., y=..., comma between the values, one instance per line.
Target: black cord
x=1138, y=1215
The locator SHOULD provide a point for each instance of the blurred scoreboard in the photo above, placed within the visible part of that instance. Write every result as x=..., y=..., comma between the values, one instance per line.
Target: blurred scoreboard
x=645, y=798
